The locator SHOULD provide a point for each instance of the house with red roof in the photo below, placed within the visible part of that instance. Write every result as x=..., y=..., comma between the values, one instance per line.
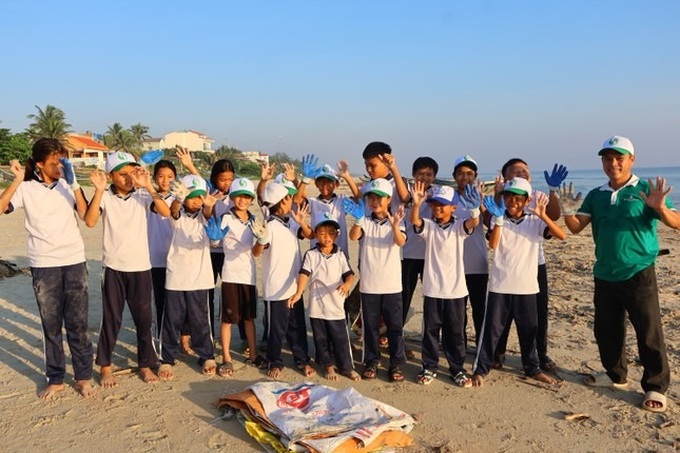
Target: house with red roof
x=84, y=149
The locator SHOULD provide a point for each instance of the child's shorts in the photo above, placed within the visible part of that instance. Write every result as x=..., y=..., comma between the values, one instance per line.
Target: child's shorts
x=239, y=302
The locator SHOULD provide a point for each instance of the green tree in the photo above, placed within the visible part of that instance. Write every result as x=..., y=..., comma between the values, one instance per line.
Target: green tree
x=283, y=158
x=140, y=132
x=50, y=122
x=120, y=139
x=14, y=146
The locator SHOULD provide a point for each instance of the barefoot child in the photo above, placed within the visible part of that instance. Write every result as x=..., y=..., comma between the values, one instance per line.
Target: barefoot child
x=330, y=278
x=189, y=276
x=515, y=236
x=381, y=235
x=444, y=286
x=127, y=266
x=50, y=196
x=278, y=243
x=239, y=295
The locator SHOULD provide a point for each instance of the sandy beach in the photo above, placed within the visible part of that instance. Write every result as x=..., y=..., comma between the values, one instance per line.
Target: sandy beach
x=508, y=414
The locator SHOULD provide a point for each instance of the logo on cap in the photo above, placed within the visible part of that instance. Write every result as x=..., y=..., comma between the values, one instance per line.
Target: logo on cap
x=328, y=216
x=613, y=141
x=242, y=182
x=121, y=156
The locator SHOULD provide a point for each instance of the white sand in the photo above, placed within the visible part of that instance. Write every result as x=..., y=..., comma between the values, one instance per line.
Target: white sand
x=506, y=414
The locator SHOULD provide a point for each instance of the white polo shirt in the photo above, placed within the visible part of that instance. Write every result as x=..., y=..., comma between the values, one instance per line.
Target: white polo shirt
x=326, y=273
x=125, y=243
x=318, y=207
x=239, y=262
x=380, y=267
x=50, y=220
x=189, y=267
x=160, y=234
x=514, y=268
x=532, y=205
x=444, y=272
x=475, y=253
x=281, y=259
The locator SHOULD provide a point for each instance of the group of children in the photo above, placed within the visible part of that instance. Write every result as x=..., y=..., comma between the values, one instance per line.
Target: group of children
x=196, y=229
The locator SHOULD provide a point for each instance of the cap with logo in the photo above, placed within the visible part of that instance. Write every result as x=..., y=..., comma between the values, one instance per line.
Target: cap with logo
x=327, y=219
x=242, y=186
x=118, y=159
x=517, y=185
x=328, y=173
x=619, y=144
x=274, y=193
x=379, y=186
x=196, y=186
x=443, y=194
x=289, y=185
x=465, y=160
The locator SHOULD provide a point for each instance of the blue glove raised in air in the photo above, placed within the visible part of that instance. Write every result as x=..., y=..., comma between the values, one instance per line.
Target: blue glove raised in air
x=494, y=209
x=471, y=198
x=310, y=168
x=214, y=229
x=69, y=174
x=557, y=177
x=356, y=210
x=152, y=157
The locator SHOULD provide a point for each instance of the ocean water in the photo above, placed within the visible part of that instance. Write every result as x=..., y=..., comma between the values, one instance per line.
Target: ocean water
x=586, y=180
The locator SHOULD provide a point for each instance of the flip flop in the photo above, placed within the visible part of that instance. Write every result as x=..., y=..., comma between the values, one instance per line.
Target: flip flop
x=209, y=367
x=655, y=397
x=602, y=380
x=226, y=369
x=370, y=372
x=462, y=380
x=396, y=375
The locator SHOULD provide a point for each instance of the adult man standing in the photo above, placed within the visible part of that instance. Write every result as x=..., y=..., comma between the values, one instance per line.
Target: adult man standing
x=624, y=214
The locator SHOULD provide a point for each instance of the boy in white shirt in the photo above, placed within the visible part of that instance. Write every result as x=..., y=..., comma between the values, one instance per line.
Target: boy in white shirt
x=444, y=286
x=381, y=236
x=188, y=276
x=127, y=265
x=515, y=236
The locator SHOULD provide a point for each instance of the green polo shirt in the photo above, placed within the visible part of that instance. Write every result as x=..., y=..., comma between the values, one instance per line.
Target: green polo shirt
x=624, y=229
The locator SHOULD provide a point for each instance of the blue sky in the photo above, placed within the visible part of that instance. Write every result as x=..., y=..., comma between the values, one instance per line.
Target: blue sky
x=545, y=81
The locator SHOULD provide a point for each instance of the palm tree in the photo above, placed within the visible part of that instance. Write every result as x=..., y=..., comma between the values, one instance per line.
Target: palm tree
x=50, y=123
x=121, y=139
x=140, y=132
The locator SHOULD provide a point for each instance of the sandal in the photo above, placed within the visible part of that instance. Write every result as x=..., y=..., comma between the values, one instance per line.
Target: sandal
x=603, y=380
x=462, y=380
x=209, y=366
x=226, y=369
x=259, y=362
x=396, y=374
x=654, y=402
x=165, y=372
x=370, y=372
x=426, y=377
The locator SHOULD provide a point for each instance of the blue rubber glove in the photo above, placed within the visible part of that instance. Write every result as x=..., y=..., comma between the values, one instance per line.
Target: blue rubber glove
x=69, y=174
x=213, y=229
x=494, y=209
x=152, y=157
x=471, y=198
x=356, y=210
x=310, y=168
x=557, y=177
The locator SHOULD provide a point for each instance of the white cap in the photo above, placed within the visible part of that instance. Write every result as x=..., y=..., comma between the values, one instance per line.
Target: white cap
x=328, y=173
x=196, y=186
x=118, y=159
x=379, y=186
x=242, y=186
x=467, y=160
x=619, y=144
x=443, y=194
x=327, y=219
x=281, y=179
x=274, y=193
x=518, y=185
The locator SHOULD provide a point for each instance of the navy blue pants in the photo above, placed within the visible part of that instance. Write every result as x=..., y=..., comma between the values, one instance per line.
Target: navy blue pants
x=411, y=273
x=389, y=306
x=62, y=296
x=332, y=334
x=135, y=289
x=476, y=286
x=639, y=298
x=447, y=316
x=181, y=306
x=283, y=322
x=501, y=309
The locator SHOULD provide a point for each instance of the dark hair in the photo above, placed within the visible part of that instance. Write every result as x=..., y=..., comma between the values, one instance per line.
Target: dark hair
x=375, y=149
x=164, y=164
x=42, y=149
x=274, y=209
x=221, y=166
x=425, y=162
x=510, y=163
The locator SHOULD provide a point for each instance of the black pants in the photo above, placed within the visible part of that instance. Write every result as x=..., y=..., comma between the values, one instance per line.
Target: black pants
x=411, y=272
x=542, y=316
x=373, y=306
x=217, y=261
x=158, y=280
x=287, y=323
x=179, y=307
x=447, y=316
x=333, y=333
x=135, y=289
x=476, y=286
x=638, y=297
x=501, y=309
x=62, y=296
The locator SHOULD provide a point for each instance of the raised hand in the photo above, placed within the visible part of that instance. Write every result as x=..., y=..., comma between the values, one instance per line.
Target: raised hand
x=557, y=177
x=289, y=171
x=494, y=209
x=419, y=192
x=301, y=213
x=17, y=169
x=389, y=160
x=260, y=231
x=540, y=204
x=98, y=179
x=184, y=156
x=210, y=200
x=178, y=190
x=657, y=193
x=214, y=229
x=355, y=209
x=67, y=171
x=397, y=217
x=310, y=168
x=471, y=198
x=267, y=171
x=569, y=204
x=498, y=184
x=343, y=169
x=141, y=177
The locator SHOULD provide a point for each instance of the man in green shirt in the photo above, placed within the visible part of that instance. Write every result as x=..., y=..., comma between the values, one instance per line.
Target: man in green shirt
x=624, y=214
